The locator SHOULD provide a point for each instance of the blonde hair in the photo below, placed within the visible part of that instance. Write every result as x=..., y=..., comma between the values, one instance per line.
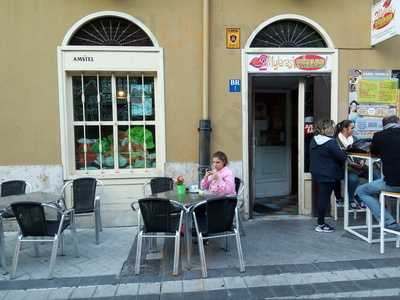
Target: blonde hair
x=325, y=127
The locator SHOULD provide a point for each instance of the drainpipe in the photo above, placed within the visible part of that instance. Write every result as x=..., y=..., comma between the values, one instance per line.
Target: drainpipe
x=205, y=124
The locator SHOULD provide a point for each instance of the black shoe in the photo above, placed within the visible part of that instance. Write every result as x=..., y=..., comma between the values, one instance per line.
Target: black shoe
x=324, y=228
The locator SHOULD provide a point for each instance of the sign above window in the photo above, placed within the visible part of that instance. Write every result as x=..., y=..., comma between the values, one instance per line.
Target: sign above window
x=289, y=63
x=385, y=20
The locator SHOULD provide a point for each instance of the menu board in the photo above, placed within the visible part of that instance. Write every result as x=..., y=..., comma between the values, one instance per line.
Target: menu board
x=373, y=94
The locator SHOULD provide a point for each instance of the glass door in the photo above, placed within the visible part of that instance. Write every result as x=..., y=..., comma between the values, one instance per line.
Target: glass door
x=314, y=100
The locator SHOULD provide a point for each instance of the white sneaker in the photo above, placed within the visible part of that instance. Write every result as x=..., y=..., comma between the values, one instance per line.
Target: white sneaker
x=324, y=228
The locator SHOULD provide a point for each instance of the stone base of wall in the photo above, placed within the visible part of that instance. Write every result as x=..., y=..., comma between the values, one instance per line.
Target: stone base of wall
x=117, y=196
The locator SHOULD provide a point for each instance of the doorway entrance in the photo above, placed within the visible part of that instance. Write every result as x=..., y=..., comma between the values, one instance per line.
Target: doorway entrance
x=282, y=111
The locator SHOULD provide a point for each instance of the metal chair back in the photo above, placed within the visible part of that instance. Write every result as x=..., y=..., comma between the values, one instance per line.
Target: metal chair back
x=84, y=194
x=13, y=187
x=31, y=218
x=161, y=184
x=159, y=215
x=220, y=213
x=238, y=182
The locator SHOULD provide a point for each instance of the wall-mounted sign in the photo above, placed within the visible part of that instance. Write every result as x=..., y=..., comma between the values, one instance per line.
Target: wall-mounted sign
x=385, y=20
x=233, y=38
x=234, y=85
x=289, y=63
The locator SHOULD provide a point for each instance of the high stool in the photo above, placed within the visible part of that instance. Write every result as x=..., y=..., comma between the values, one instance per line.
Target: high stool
x=382, y=197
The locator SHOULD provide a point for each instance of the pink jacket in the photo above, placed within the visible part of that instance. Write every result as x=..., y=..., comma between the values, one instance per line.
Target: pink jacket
x=225, y=185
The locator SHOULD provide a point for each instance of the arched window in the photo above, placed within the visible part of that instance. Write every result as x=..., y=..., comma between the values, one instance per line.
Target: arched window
x=288, y=34
x=112, y=101
x=110, y=31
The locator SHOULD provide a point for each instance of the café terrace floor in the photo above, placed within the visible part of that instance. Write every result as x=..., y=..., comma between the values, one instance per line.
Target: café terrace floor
x=272, y=247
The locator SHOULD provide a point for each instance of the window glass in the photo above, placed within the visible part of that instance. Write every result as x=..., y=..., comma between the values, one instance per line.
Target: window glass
x=77, y=98
x=94, y=147
x=105, y=98
x=91, y=105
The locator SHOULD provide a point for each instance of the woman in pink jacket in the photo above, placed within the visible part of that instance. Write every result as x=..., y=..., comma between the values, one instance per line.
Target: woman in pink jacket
x=220, y=179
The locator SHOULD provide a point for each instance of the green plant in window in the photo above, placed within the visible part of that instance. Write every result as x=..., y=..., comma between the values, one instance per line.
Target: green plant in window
x=137, y=136
x=105, y=142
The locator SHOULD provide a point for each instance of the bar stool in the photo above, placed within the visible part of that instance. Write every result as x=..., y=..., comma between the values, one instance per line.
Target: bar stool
x=382, y=197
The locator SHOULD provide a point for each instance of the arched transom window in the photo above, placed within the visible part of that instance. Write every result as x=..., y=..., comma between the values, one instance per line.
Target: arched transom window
x=110, y=31
x=288, y=34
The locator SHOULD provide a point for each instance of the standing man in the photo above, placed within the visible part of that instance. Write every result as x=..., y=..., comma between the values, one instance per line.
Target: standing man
x=386, y=145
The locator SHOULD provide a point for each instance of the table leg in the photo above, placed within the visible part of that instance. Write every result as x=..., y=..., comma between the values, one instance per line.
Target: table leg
x=369, y=215
x=188, y=233
x=2, y=246
x=346, y=197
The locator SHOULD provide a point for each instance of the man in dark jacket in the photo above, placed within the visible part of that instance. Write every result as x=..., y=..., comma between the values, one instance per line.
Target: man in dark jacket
x=386, y=145
x=326, y=166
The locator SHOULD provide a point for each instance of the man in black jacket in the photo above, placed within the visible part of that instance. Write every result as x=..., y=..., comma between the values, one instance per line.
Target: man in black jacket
x=386, y=145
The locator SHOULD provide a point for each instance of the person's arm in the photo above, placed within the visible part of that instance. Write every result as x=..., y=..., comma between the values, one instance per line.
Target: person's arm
x=224, y=184
x=374, y=148
x=204, y=184
x=338, y=154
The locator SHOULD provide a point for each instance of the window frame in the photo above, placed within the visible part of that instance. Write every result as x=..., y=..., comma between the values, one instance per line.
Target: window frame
x=154, y=57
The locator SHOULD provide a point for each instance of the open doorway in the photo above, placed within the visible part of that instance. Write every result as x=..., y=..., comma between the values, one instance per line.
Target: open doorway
x=282, y=112
x=275, y=153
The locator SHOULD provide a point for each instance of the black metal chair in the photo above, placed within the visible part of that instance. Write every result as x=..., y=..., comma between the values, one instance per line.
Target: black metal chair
x=239, y=188
x=10, y=188
x=85, y=200
x=35, y=227
x=220, y=221
x=156, y=185
x=160, y=216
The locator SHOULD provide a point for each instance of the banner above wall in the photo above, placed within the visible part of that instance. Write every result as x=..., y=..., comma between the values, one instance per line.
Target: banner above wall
x=385, y=20
x=289, y=63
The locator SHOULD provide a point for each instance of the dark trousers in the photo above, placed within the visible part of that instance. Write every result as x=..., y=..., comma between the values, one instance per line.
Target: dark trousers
x=324, y=198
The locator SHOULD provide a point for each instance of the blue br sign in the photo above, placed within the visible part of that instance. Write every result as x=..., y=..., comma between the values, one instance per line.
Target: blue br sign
x=234, y=85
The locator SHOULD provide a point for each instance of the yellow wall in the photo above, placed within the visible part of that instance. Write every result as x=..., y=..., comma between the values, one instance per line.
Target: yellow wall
x=31, y=31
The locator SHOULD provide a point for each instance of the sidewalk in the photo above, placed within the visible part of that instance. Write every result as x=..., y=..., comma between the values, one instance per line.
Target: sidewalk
x=285, y=259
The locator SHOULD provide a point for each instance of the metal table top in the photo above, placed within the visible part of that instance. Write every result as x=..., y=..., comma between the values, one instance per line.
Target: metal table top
x=187, y=199
x=41, y=197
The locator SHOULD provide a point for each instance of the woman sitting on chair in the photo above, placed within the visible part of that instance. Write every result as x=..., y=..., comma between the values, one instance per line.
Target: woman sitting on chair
x=220, y=179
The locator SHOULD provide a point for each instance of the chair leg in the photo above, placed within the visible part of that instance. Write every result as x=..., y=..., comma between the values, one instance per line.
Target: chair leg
x=382, y=222
x=100, y=221
x=176, y=254
x=36, y=248
x=97, y=226
x=202, y=256
x=240, y=252
x=397, y=210
x=240, y=225
x=74, y=236
x=138, y=253
x=53, y=255
x=2, y=245
x=61, y=243
x=227, y=244
x=15, y=258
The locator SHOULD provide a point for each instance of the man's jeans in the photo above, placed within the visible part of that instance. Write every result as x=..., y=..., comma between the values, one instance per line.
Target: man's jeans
x=369, y=194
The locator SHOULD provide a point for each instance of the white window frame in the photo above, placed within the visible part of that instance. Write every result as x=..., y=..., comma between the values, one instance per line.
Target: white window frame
x=109, y=60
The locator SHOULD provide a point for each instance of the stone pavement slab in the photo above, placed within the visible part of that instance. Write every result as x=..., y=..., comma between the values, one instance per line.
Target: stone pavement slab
x=60, y=293
x=106, y=290
x=127, y=289
x=83, y=292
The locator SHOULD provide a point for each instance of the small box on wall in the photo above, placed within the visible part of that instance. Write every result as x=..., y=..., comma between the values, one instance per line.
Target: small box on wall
x=233, y=38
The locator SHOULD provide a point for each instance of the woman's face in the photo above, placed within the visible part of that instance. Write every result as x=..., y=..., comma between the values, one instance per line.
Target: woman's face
x=217, y=163
x=348, y=131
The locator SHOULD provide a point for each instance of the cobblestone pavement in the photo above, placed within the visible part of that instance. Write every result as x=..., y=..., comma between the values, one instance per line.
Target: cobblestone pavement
x=355, y=279
x=285, y=260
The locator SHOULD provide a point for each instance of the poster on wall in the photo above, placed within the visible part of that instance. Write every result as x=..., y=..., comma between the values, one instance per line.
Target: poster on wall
x=373, y=94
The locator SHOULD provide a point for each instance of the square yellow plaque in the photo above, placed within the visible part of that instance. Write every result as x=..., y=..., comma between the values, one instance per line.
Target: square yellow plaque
x=233, y=38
